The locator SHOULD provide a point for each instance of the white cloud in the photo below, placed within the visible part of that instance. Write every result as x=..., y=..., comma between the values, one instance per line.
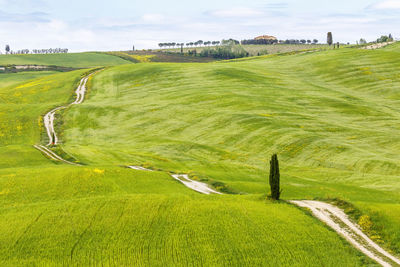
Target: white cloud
x=153, y=18
x=347, y=20
x=387, y=5
x=242, y=12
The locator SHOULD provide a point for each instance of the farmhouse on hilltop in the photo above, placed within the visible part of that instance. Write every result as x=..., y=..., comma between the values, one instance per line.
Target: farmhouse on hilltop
x=261, y=40
x=266, y=37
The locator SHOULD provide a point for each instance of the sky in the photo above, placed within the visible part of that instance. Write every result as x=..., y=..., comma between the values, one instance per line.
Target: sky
x=88, y=25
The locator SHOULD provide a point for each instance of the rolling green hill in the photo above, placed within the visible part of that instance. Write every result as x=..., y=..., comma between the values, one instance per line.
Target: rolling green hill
x=332, y=117
x=53, y=214
x=9, y=80
x=74, y=60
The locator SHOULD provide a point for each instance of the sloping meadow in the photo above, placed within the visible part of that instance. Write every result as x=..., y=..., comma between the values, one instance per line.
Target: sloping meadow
x=331, y=116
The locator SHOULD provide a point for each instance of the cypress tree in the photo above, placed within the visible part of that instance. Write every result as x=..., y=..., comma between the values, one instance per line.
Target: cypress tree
x=274, y=178
x=330, y=39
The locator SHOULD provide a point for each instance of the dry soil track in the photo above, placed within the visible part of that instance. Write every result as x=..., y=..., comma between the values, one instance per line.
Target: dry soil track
x=49, y=119
x=340, y=222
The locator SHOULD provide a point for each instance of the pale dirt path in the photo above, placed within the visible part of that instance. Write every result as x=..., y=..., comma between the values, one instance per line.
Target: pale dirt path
x=340, y=222
x=49, y=118
x=194, y=185
x=200, y=187
x=377, y=46
x=53, y=155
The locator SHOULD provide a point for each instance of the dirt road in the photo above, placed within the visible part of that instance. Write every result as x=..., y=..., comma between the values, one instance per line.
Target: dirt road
x=49, y=119
x=340, y=222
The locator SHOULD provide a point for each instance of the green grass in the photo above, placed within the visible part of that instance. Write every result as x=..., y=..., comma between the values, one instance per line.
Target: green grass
x=332, y=116
x=75, y=60
x=22, y=106
x=316, y=110
x=118, y=216
x=53, y=214
x=12, y=79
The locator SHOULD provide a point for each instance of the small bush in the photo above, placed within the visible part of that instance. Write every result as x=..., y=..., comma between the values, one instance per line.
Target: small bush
x=225, y=52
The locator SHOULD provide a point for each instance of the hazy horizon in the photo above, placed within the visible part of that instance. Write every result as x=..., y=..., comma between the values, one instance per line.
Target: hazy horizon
x=95, y=26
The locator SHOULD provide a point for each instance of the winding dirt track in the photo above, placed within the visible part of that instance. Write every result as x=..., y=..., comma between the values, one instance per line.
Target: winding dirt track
x=340, y=222
x=194, y=185
x=377, y=46
x=49, y=118
x=197, y=186
x=53, y=155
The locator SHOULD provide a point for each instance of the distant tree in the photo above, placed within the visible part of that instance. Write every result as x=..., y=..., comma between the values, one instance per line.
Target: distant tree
x=161, y=45
x=362, y=41
x=259, y=42
x=133, y=48
x=200, y=42
x=303, y=41
x=230, y=42
x=338, y=45
x=274, y=178
x=7, y=49
x=309, y=41
x=315, y=41
x=224, y=52
x=383, y=39
x=330, y=39
x=390, y=37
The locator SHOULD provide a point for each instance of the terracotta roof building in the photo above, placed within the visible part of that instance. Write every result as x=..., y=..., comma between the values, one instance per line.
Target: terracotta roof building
x=265, y=37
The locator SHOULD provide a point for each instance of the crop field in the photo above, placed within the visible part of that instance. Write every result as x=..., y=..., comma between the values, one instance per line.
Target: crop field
x=332, y=117
x=7, y=79
x=255, y=50
x=323, y=113
x=118, y=216
x=157, y=56
x=53, y=214
x=75, y=60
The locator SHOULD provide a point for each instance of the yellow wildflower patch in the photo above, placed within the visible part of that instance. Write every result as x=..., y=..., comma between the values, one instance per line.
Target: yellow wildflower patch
x=98, y=171
x=365, y=223
x=143, y=59
x=5, y=192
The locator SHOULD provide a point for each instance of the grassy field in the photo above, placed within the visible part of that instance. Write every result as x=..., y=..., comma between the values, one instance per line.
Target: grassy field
x=331, y=115
x=76, y=60
x=54, y=214
x=255, y=50
x=116, y=216
x=8, y=80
